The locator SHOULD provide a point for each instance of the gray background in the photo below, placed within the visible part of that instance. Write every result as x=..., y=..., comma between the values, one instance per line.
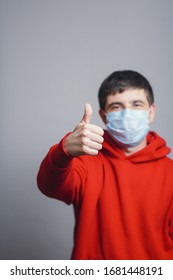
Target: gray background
x=53, y=56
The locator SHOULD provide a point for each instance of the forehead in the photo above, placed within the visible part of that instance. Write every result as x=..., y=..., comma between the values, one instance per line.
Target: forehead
x=128, y=96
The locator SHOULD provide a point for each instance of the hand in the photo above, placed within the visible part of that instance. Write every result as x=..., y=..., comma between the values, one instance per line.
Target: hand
x=86, y=139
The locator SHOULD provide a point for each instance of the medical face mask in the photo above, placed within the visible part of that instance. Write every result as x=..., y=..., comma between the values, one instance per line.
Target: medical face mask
x=128, y=127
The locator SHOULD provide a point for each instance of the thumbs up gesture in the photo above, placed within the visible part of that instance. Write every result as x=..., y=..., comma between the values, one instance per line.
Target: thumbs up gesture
x=86, y=139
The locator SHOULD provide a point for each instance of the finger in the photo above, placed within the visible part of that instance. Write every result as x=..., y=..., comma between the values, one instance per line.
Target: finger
x=92, y=144
x=95, y=146
x=90, y=151
x=94, y=129
x=96, y=138
x=87, y=113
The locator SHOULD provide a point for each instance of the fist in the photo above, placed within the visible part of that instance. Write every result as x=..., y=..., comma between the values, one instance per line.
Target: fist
x=86, y=139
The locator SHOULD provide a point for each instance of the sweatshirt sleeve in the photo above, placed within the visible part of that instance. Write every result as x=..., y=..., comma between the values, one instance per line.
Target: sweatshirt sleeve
x=171, y=223
x=63, y=179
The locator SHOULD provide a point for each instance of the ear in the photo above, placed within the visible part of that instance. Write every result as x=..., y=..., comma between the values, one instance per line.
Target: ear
x=102, y=115
x=152, y=113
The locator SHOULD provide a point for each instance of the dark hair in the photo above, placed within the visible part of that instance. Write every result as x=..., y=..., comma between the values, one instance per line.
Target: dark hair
x=119, y=81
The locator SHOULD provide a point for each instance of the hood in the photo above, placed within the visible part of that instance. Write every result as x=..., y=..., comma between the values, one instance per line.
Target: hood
x=156, y=148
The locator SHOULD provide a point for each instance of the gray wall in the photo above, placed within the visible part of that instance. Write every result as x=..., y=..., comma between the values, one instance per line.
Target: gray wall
x=53, y=56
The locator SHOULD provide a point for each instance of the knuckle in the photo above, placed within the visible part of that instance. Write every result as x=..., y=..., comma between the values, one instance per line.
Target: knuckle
x=84, y=148
x=100, y=140
x=84, y=141
x=100, y=146
x=95, y=152
x=85, y=132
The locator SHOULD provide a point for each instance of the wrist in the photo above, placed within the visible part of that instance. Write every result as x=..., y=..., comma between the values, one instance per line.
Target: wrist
x=60, y=155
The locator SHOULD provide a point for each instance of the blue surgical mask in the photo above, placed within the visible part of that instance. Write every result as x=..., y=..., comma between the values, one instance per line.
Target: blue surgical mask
x=127, y=126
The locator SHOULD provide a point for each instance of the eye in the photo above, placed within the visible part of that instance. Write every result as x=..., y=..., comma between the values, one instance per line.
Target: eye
x=116, y=107
x=138, y=105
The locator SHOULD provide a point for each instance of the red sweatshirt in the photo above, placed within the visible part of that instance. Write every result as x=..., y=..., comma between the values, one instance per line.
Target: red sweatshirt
x=123, y=204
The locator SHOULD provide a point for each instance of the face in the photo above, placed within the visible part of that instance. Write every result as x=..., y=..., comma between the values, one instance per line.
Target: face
x=134, y=99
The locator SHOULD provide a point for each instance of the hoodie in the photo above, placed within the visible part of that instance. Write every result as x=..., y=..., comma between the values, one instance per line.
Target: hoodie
x=123, y=204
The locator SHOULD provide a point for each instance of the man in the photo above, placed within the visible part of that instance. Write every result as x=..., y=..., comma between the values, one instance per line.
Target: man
x=120, y=181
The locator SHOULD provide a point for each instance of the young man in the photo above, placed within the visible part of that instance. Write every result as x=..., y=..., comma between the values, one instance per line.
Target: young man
x=120, y=181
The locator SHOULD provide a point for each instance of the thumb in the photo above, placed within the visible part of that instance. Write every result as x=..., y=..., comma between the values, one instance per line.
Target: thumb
x=87, y=113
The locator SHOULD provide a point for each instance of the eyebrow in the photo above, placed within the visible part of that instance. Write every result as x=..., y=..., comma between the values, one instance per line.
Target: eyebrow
x=139, y=101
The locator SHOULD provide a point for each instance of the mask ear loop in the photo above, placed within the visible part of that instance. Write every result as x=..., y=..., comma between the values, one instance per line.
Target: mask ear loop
x=149, y=111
